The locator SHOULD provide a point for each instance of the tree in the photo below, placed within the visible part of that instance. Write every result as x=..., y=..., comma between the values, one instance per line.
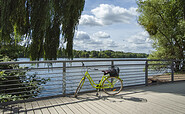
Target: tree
x=165, y=22
x=41, y=22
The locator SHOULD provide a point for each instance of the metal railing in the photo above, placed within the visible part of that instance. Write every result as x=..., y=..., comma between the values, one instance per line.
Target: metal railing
x=36, y=79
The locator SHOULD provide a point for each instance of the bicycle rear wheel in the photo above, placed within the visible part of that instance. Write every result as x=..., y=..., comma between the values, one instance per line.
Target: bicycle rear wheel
x=112, y=85
x=79, y=86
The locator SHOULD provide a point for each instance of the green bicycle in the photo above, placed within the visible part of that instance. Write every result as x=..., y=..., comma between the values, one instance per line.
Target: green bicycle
x=110, y=82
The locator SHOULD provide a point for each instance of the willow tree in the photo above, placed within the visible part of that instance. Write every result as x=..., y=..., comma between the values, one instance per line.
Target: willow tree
x=42, y=23
x=165, y=22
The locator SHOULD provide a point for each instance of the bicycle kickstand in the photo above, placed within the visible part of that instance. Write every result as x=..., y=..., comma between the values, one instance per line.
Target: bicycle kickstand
x=98, y=94
x=97, y=90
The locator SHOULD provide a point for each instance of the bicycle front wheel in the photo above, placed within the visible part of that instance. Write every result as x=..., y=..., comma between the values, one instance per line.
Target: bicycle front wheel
x=79, y=87
x=112, y=85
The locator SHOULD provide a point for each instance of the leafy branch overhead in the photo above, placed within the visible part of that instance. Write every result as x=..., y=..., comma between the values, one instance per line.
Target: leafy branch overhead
x=165, y=22
x=41, y=23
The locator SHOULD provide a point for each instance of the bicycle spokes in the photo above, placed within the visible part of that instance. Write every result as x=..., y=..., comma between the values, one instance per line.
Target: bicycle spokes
x=112, y=85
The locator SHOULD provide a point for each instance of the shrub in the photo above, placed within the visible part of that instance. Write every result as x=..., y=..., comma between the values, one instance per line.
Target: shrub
x=16, y=84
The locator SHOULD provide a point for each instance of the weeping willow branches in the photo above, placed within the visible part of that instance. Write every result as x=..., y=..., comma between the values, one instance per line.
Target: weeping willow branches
x=43, y=22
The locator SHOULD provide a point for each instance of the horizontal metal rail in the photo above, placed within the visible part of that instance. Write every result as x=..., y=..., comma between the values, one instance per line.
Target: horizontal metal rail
x=72, y=61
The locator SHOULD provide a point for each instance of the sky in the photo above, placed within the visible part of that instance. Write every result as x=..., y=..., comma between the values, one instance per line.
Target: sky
x=111, y=25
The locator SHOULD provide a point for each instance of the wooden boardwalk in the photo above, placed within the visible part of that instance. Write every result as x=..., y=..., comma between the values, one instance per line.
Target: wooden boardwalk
x=156, y=99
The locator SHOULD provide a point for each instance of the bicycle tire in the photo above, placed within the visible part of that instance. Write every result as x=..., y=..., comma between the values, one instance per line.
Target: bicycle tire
x=112, y=85
x=79, y=87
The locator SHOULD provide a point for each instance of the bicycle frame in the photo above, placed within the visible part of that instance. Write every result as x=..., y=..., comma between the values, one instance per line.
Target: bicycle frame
x=93, y=84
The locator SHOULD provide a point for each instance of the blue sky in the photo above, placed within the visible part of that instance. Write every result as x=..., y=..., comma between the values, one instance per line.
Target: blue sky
x=111, y=25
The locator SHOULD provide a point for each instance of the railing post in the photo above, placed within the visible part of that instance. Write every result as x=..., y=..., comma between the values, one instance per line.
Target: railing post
x=146, y=73
x=64, y=79
x=112, y=64
x=172, y=71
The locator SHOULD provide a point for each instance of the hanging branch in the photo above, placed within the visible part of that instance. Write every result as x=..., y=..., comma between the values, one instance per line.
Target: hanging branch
x=71, y=12
x=41, y=22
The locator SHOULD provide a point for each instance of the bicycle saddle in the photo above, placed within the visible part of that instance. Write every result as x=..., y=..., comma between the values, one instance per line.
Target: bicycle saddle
x=106, y=71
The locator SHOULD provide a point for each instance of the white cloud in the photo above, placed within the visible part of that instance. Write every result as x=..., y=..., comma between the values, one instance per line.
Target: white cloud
x=110, y=14
x=83, y=41
x=107, y=14
x=140, y=38
x=139, y=42
x=101, y=34
x=90, y=20
x=81, y=35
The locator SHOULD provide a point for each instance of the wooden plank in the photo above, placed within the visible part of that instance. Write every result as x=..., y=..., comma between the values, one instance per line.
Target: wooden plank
x=140, y=104
x=112, y=101
x=36, y=108
x=84, y=106
x=151, y=104
x=117, y=103
x=90, y=103
x=86, y=102
x=111, y=106
x=94, y=101
x=177, y=99
x=1, y=109
x=70, y=105
x=139, y=107
x=29, y=109
x=81, y=106
x=50, y=107
x=7, y=109
x=166, y=103
x=109, y=109
x=22, y=108
x=43, y=108
x=57, y=106
x=115, y=106
x=15, y=108
x=89, y=107
x=63, y=106
x=170, y=97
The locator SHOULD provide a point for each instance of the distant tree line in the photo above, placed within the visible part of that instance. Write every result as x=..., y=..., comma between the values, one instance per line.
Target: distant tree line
x=102, y=54
x=22, y=52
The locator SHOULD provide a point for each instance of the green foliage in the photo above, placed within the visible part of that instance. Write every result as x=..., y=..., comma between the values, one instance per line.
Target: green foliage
x=71, y=12
x=12, y=51
x=40, y=22
x=104, y=54
x=17, y=84
x=6, y=98
x=165, y=22
x=61, y=53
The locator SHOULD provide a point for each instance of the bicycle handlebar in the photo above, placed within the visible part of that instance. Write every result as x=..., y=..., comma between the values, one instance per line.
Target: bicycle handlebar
x=83, y=65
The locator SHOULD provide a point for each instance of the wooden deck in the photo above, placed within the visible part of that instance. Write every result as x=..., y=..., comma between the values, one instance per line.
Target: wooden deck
x=156, y=99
